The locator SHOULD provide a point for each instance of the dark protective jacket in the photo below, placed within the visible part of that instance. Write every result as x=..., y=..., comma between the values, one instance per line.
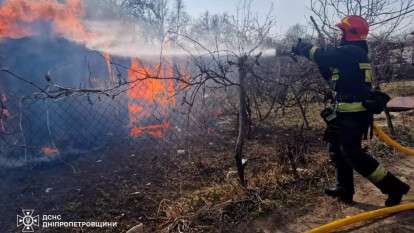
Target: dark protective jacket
x=349, y=70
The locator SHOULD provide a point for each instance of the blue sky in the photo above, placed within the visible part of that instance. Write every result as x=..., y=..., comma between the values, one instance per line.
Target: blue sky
x=287, y=12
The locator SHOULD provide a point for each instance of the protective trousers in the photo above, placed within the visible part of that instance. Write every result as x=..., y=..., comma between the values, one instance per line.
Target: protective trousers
x=344, y=136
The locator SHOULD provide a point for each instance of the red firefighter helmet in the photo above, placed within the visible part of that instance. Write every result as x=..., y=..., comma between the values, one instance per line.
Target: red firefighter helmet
x=354, y=28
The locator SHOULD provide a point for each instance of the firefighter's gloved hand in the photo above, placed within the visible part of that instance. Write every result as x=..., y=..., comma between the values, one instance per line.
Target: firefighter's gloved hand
x=302, y=48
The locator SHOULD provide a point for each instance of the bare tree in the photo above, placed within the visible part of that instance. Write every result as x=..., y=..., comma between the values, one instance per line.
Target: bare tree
x=152, y=15
x=225, y=49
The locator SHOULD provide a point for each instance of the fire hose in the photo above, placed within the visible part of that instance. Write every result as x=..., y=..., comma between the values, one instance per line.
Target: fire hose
x=375, y=213
x=388, y=140
x=362, y=217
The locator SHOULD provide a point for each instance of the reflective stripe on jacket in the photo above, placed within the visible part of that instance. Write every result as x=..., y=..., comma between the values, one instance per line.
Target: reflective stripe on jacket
x=349, y=70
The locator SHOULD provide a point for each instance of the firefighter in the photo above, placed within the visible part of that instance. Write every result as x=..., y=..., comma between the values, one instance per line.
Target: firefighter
x=348, y=69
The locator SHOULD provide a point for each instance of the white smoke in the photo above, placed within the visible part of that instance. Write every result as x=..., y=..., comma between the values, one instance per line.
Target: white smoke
x=120, y=34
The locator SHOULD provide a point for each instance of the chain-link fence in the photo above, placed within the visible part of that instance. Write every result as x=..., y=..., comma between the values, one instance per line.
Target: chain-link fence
x=43, y=130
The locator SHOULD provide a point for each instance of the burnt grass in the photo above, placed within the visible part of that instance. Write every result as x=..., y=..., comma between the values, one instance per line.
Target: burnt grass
x=127, y=182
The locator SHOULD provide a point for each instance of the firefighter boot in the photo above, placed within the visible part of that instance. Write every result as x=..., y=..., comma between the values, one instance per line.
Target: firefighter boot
x=395, y=189
x=344, y=189
x=341, y=193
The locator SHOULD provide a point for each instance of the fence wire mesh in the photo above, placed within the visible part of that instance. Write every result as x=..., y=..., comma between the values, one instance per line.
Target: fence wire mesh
x=37, y=131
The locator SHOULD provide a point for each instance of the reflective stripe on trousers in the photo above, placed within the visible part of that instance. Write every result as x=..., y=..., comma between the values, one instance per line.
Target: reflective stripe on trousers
x=350, y=107
x=378, y=175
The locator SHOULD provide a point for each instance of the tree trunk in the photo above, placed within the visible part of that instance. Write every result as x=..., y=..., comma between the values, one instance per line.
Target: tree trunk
x=248, y=116
x=242, y=121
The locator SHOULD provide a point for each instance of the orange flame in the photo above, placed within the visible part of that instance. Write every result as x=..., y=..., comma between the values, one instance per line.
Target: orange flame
x=108, y=61
x=150, y=93
x=18, y=18
x=50, y=151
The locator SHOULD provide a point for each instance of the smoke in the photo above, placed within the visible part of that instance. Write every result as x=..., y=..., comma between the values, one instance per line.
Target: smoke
x=121, y=38
x=108, y=27
x=120, y=34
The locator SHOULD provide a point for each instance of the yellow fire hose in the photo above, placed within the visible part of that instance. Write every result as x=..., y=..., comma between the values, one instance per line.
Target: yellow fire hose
x=387, y=139
x=376, y=213
x=361, y=217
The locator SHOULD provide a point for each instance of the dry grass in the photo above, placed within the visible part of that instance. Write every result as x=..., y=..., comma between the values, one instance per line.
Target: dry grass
x=399, y=88
x=228, y=204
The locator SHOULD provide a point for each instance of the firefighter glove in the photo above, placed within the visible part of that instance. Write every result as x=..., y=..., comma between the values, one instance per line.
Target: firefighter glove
x=302, y=48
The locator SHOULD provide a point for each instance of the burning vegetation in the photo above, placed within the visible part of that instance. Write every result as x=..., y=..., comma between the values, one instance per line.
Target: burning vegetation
x=22, y=18
x=149, y=89
x=50, y=151
x=155, y=90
